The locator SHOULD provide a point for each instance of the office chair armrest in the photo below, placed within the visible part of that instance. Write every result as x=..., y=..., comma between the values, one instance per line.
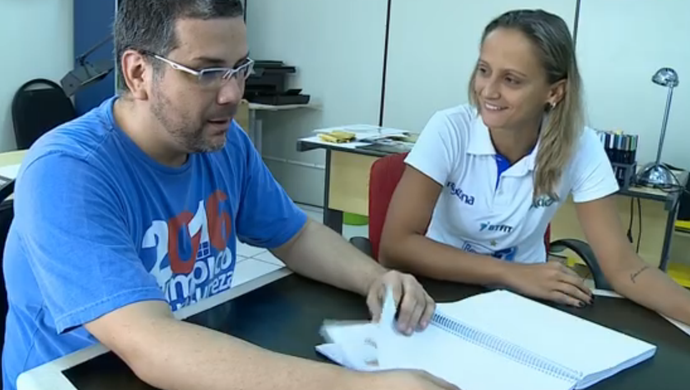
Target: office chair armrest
x=584, y=251
x=363, y=244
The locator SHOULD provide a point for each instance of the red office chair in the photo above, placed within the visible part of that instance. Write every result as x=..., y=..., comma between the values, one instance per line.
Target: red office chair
x=384, y=177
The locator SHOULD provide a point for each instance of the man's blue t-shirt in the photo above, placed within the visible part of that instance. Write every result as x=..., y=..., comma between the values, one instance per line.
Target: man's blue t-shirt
x=100, y=225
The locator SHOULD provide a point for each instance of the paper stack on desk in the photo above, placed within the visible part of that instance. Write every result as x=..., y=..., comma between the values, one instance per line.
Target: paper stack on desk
x=364, y=132
x=496, y=340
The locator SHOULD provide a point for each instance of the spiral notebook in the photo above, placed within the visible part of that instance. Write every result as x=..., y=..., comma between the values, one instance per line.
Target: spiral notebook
x=496, y=340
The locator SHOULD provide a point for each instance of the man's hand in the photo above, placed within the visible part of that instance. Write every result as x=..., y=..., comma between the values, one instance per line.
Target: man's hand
x=319, y=253
x=411, y=380
x=552, y=281
x=414, y=306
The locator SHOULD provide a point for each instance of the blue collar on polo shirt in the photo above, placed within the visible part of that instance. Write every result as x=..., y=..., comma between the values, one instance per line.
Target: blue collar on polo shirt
x=481, y=144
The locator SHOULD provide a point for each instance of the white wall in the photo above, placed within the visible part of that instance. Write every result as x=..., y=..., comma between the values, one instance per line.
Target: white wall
x=621, y=44
x=433, y=49
x=36, y=41
x=337, y=47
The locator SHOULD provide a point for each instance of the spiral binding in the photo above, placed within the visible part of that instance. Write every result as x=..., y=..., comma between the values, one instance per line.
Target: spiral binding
x=505, y=348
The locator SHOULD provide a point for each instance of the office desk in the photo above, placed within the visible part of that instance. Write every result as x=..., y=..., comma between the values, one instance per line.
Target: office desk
x=9, y=162
x=285, y=316
x=248, y=117
x=347, y=190
x=12, y=158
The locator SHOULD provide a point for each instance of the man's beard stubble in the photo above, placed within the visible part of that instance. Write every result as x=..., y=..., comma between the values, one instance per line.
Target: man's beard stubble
x=188, y=135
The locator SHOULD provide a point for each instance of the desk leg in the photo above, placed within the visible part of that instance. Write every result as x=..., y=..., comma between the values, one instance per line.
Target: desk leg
x=334, y=220
x=331, y=218
x=258, y=133
x=668, y=235
x=252, y=125
x=255, y=130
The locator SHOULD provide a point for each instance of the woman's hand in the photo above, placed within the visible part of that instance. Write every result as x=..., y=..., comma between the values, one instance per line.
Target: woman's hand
x=552, y=281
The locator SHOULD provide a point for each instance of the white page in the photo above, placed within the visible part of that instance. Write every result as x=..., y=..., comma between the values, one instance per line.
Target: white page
x=335, y=353
x=464, y=364
x=355, y=341
x=558, y=336
x=467, y=365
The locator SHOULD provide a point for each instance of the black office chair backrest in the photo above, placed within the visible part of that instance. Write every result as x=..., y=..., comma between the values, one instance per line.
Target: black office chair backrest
x=6, y=216
x=37, y=110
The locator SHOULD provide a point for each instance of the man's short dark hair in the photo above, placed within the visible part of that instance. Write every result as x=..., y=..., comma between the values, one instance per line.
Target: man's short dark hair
x=148, y=26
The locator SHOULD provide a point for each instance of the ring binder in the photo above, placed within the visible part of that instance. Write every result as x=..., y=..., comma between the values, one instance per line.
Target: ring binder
x=505, y=348
x=497, y=332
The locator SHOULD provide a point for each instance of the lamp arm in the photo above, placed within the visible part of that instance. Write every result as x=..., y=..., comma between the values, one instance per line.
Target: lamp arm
x=664, y=123
x=82, y=58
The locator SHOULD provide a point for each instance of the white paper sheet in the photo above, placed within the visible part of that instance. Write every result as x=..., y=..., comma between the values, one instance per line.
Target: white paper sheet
x=680, y=325
x=606, y=293
x=366, y=132
x=10, y=171
x=611, y=294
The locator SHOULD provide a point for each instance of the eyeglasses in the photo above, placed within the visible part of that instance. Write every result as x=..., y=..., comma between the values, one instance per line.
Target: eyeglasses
x=213, y=77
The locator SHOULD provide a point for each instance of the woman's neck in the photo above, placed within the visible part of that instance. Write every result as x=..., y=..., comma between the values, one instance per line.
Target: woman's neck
x=515, y=143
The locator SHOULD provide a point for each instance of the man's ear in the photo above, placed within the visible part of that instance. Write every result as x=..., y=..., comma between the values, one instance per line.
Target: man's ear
x=557, y=92
x=136, y=72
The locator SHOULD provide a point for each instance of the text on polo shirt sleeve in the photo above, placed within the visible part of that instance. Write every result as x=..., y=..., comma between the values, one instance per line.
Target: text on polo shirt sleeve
x=435, y=152
x=593, y=174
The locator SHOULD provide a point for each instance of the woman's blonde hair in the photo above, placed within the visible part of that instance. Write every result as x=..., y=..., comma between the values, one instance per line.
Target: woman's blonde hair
x=562, y=125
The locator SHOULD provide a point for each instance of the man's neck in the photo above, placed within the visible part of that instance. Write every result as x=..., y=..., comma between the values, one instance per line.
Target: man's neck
x=146, y=133
x=514, y=144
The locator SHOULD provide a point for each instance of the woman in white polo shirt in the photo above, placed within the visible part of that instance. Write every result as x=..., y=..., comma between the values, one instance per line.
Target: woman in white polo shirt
x=487, y=177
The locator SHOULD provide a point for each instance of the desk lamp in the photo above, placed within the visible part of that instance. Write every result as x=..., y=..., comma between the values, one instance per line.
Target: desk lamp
x=656, y=174
x=87, y=73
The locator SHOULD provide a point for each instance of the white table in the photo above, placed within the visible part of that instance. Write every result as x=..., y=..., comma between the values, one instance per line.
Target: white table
x=249, y=277
x=12, y=158
x=255, y=126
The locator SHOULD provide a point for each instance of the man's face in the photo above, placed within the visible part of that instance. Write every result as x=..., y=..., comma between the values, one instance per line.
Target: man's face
x=197, y=116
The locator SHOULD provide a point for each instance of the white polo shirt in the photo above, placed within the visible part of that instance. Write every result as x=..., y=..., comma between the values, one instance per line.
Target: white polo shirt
x=486, y=205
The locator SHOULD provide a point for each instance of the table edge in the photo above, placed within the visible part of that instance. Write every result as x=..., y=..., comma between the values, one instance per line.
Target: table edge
x=285, y=107
x=305, y=145
x=49, y=376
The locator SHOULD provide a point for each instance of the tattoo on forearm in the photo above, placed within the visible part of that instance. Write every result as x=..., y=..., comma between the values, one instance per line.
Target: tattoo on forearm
x=634, y=275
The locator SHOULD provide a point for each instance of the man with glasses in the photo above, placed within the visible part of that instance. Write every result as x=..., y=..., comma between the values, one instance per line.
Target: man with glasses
x=132, y=211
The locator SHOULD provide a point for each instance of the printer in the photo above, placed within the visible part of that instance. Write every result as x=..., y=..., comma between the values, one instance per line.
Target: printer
x=268, y=85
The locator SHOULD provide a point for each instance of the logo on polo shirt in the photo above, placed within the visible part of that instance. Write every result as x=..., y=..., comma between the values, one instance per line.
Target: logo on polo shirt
x=457, y=192
x=542, y=201
x=507, y=254
x=487, y=226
